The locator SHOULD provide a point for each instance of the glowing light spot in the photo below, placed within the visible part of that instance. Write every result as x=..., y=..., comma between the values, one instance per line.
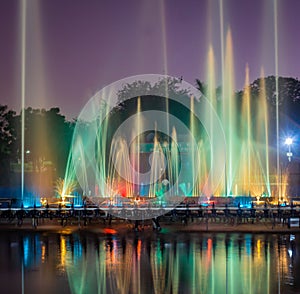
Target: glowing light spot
x=110, y=231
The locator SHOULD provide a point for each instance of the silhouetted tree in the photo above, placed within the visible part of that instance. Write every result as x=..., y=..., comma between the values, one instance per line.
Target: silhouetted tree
x=7, y=139
x=168, y=86
x=59, y=132
x=47, y=138
x=288, y=101
x=7, y=131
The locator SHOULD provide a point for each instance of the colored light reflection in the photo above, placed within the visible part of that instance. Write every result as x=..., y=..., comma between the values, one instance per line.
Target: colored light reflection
x=165, y=263
x=109, y=231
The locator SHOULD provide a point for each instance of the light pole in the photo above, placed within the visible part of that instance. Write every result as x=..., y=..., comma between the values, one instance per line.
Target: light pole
x=289, y=142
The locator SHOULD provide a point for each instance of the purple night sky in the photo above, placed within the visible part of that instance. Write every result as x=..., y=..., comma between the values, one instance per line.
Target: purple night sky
x=76, y=47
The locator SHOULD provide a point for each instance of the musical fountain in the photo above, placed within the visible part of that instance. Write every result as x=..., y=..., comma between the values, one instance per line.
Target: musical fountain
x=127, y=147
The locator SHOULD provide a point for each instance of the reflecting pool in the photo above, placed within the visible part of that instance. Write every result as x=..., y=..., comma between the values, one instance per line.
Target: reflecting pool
x=148, y=262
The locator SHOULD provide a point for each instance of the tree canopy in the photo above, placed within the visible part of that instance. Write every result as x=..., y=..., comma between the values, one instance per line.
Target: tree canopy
x=47, y=139
x=48, y=135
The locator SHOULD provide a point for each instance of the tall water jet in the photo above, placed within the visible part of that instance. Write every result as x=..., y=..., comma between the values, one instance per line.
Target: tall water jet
x=121, y=169
x=222, y=43
x=194, y=152
x=252, y=137
x=247, y=130
x=221, y=16
x=73, y=161
x=102, y=161
x=263, y=116
x=70, y=175
x=193, y=149
x=203, y=162
x=157, y=165
x=137, y=148
x=251, y=170
x=229, y=113
x=212, y=97
x=277, y=96
x=249, y=127
x=165, y=60
x=174, y=154
x=23, y=90
x=164, y=36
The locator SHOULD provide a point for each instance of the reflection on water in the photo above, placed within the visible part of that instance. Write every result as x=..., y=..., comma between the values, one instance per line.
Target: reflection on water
x=149, y=263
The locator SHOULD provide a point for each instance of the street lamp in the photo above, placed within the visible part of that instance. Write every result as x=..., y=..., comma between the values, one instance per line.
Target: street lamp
x=289, y=154
x=289, y=142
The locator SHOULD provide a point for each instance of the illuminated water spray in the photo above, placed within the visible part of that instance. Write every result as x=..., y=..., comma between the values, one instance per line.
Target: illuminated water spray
x=212, y=97
x=263, y=114
x=23, y=90
x=247, y=145
x=248, y=129
x=165, y=58
x=110, y=159
x=229, y=113
x=137, y=138
x=277, y=92
x=222, y=40
x=164, y=36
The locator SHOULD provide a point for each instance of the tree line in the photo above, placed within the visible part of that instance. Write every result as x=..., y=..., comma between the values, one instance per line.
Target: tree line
x=47, y=140
x=48, y=135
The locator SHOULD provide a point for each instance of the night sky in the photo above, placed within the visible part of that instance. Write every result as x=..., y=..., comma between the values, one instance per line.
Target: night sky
x=76, y=47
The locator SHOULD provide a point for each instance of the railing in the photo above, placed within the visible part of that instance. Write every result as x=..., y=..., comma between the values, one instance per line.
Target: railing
x=184, y=214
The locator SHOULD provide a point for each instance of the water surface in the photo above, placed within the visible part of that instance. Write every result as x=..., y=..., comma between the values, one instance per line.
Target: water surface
x=149, y=262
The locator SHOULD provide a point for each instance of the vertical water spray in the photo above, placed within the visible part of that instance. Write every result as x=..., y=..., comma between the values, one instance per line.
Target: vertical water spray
x=174, y=161
x=201, y=161
x=138, y=149
x=23, y=90
x=70, y=175
x=120, y=175
x=263, y=101
x=211, y=95
x=229, y=111
x=223, y=72
x=222, y=40
x=165, y=60
x=252, y=174
x=157, y=166
x=102, y=172
x=194, y=190
x=277, y=95
x=223, y=78
x=164, y=36
x=247, y=99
